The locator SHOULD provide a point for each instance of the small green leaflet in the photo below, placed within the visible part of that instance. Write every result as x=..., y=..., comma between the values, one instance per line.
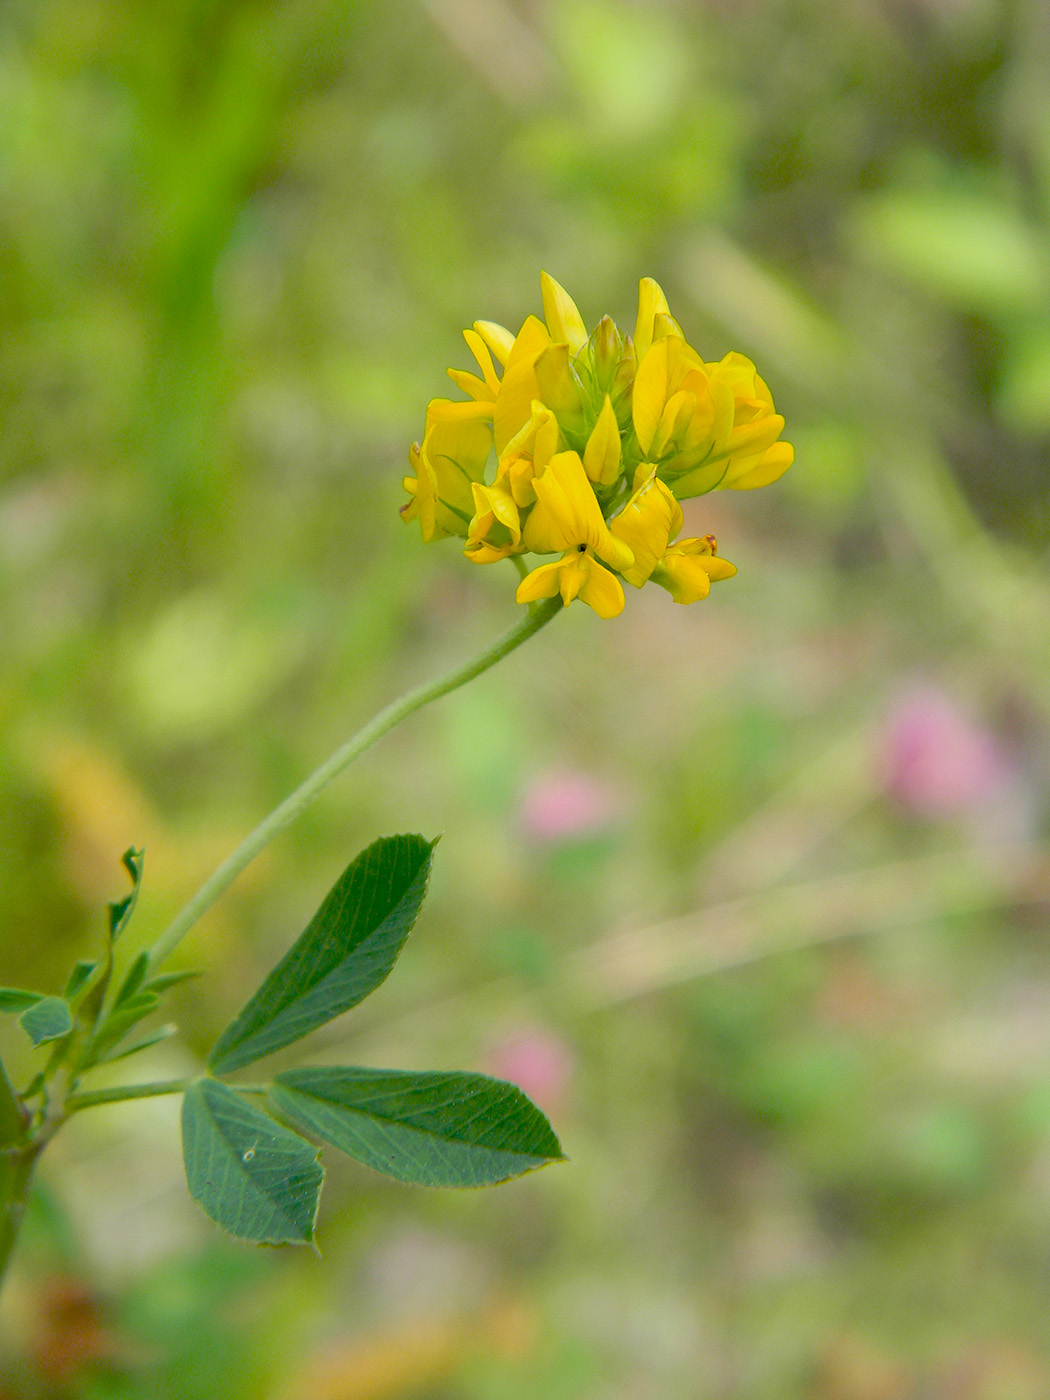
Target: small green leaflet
x=124, y=1016
x=79, y=977
x=120, y=910
x=254, y=1178
x=47, y=1019
x=347, y=950
x=17, y=999
x=429, y=1129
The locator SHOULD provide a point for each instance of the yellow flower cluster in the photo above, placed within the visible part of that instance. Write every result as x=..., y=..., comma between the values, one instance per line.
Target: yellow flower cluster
x=596, y=439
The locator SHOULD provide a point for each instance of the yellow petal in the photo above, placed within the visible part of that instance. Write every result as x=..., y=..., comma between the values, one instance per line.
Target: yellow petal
x=556, y=382
x=497, y=338
x=566, y=512
x=495, y=528
x=480, y=351
x=689, y=568
x=599, y=589
x=647, y=522
x=519, y=387
x=651, y=301
x=772, y=465
x=679, y=411
x=472, y=385
x=650, y=393
x=601, y=456
x=563, y=319
x=543, y=582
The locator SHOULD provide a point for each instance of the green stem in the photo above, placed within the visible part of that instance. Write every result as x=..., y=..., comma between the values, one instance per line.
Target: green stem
x=381, y=724
x=89, y=1097
x=16, y=1176
x=13, y=1117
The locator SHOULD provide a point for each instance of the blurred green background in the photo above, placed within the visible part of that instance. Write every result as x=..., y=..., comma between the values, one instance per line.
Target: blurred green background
x=752, y=896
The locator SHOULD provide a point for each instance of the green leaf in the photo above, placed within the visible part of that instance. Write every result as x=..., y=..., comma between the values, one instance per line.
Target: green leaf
x=47, y=1019
x=430, y=1129
x=168, y=979
x=120, y=910
x=153, y=1038
x=79, y=977
x=134, y=979
x=17, y=999
x=347, y=950
x=254, y=1178
x=121, y=1019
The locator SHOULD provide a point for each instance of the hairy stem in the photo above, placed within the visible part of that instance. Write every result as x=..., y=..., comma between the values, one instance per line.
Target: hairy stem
x=354, y=747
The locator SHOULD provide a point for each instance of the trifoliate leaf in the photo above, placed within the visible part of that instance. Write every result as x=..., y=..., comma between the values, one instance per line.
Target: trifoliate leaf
x=347, y=950
x=47, y=1019
x=430, y=1129
x=254, y=1178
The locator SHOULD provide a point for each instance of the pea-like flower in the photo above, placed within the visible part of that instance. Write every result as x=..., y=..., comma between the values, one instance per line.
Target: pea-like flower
x=595, y=437
x=648, y=524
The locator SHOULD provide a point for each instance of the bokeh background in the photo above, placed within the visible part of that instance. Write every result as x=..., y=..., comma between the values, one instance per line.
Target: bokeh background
x=751, y=896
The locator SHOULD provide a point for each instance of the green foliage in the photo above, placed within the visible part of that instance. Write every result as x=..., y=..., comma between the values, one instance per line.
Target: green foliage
x=428, y=1129
x=346, y=951
x=50, y=1018
x=254, y=1178
x=14, y=999
x=121, y=910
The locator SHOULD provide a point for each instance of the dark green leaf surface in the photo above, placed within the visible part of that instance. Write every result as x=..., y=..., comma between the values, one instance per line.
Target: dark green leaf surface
x=430, y=1129
x=17, y=998
x=347, y=950
x=47, y=1019
x=254, y=1178
x=121, y=910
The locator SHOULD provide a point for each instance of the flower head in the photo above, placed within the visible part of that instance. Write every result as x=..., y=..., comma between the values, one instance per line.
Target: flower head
x=596, y=437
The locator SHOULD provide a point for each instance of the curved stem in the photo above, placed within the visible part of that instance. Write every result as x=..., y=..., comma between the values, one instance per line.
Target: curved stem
x=303, y=795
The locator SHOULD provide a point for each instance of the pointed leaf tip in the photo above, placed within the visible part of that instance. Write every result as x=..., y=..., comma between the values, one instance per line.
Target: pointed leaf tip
x=346, y=951
x=430, y=1129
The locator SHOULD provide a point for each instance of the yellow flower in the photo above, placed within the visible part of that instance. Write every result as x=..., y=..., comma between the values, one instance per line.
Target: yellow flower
x=567, y=517
x=455, y=450
x=495, y=528
x=579, y=422
x=705, y=425
x=576, y=575
x=567, y=514
x=647, y=524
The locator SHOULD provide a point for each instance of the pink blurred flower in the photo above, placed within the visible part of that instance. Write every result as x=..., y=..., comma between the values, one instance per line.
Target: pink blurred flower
x=936, y=760
x=559, y=806
x=538, y=1061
